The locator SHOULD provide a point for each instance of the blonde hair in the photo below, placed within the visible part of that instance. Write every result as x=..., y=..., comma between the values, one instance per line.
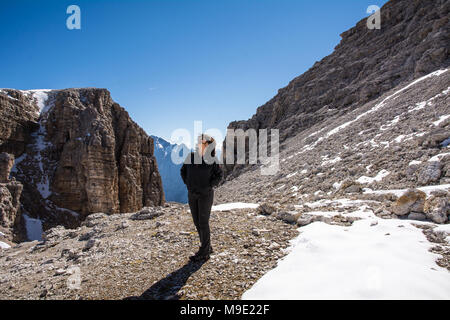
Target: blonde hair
x=211, y=143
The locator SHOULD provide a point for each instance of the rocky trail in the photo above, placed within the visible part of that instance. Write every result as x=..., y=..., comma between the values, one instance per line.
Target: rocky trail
x=144, y=255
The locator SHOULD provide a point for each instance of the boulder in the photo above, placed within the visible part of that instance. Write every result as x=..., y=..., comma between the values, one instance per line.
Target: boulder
x=411, y=200
x=437, y=208
x=94, y=219
x=430, y=173
x=304, y=220
x=288, y=216
x=147, y=214
x=349, y=186
x=417, y=216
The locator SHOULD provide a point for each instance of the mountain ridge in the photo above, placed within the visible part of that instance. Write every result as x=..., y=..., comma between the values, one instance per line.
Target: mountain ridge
x=77, y=152
x=174, y=187
x=413, y=41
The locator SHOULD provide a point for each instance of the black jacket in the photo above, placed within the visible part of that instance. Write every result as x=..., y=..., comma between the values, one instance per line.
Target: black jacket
x=200, y=177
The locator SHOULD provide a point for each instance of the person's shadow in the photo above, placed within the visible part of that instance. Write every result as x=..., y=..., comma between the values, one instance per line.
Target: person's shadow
x=168, y=287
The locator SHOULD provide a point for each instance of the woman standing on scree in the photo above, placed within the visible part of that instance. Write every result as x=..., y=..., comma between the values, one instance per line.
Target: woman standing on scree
x=201, y=172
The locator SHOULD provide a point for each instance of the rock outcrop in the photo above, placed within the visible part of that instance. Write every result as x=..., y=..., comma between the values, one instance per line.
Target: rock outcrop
x=372, y=155
x=10, y=192
x=78, y=152
x=17, y=122
x=411, y=201
x=413, y=41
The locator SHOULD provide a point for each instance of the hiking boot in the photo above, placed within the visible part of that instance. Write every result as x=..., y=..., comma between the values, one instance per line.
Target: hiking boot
x=193, y=257
x=201, y=257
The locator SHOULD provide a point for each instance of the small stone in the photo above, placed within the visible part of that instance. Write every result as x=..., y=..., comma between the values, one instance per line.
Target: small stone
x=274, y=245
x=91, y=243
x=123, y=225
x=43, y=293
x=417, y=216
x=304, y=220
x=266, y=209
x=60, y=272
x=288, y=216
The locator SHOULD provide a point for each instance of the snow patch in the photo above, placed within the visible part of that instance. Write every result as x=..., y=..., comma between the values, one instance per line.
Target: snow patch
x=363, y=261
x=418, y=106
x=390, y=123
x=4, y=245
x=383, y=173
x=234, y=205
x=331, y=161
x=399, y=192
x=438, y=157
x=336, y=202
x=41, y=97
x=33, y=228
x=382, y=103
x=337, y=185
x=441, y=119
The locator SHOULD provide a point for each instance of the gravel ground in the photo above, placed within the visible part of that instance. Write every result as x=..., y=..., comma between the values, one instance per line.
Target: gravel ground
x=116, y=257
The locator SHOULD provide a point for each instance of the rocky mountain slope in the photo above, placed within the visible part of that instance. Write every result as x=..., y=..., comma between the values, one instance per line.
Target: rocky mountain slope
x=399, y=141
x=174, y=187
x=347, y=173
x=413, y=41
x=77, y=152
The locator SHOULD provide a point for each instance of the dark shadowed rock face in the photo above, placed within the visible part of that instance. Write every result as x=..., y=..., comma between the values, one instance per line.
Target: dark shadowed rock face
x=78, y=152
x=10, y=191
x=413, y=41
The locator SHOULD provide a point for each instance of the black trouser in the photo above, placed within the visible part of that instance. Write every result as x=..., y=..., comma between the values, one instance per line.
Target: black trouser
x=200, y=205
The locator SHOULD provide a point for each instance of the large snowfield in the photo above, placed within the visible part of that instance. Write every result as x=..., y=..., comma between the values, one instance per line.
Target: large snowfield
x=372, y=259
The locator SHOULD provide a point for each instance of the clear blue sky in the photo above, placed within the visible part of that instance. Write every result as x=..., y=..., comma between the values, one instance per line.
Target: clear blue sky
x=172, y=62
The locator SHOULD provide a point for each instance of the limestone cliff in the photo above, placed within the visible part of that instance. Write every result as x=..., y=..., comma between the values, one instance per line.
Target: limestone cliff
x=77, y=152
